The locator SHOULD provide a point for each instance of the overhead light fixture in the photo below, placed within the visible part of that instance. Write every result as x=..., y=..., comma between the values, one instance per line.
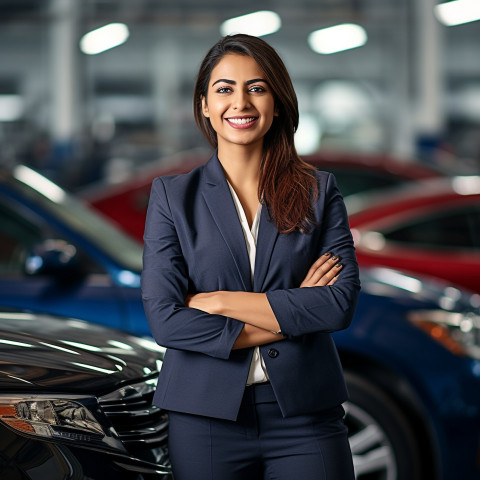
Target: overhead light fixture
x=104, y=38
x=11, y=108
x=337, y=38
x=257, y=24
x=458, y=12
x=308, y=134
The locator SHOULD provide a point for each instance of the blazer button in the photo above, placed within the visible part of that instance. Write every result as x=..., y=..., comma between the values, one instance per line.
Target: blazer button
x=273, y=353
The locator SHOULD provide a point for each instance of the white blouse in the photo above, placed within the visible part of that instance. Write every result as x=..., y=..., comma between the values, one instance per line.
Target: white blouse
x=258, y=370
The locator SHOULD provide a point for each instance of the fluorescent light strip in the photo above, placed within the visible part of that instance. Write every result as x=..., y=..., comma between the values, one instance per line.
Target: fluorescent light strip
x=458, y=12
x=337, y=38
x=104, y=38
x=257, y=24
x=11, y=108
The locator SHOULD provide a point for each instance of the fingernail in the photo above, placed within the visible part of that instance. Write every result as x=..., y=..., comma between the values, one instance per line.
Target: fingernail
x=327, y=254
x=339, y=265
x=335, y=257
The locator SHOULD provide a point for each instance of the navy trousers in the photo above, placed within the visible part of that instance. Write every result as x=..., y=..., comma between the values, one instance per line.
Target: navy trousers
x=261, y=444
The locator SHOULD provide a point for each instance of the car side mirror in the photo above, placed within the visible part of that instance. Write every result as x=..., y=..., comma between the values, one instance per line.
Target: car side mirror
x=52, y=257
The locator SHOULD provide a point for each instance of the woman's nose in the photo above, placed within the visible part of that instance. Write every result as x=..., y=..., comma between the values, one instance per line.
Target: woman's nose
x=240, y=100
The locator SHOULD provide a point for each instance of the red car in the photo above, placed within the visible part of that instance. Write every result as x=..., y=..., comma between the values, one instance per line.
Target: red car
x=430, y=227
x=126, y=202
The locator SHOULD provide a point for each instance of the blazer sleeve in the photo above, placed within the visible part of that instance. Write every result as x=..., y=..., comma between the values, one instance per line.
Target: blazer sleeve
x=164, y=284
x=327, y=309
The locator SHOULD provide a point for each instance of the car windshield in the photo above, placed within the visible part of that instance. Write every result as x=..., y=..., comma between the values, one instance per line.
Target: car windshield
x=78, y=217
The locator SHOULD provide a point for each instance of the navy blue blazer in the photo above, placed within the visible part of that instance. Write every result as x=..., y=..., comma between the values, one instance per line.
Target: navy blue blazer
x=194, y=243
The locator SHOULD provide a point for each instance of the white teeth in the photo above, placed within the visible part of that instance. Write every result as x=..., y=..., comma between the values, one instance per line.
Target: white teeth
x=241, y=121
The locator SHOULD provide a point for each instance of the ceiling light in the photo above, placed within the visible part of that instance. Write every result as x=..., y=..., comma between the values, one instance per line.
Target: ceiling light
x=308, y=134
x=458, y=12
x=11, y=108
x=257, y=24
x=104, y=38
x=337, y=38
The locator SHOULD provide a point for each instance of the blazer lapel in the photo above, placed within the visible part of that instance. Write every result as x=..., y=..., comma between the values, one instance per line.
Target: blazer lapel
x=267, y=236
x=220, y=203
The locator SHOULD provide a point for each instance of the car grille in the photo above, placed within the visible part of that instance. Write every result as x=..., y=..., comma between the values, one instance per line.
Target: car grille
x=142, y=427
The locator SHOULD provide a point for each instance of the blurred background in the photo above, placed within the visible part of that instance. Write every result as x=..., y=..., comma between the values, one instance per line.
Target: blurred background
x=406, y=83
x=96, y=95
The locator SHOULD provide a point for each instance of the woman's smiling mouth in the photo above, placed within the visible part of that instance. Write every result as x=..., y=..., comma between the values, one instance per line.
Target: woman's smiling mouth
x=242, y=122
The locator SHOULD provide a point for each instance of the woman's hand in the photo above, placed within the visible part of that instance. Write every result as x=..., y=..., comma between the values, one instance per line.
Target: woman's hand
x=261, y=325
x=323, y=272
x=208, y=302
x=234, y=305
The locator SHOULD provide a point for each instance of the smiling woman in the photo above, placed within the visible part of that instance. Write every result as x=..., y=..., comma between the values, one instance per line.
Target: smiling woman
x=279, y=165
x=242, y=283
x=238, y=98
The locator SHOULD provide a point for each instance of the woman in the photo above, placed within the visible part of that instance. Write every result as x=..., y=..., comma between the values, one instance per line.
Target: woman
x=241, y=285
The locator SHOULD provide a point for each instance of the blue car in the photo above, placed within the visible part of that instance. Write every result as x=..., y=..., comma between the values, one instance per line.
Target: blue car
x=411, y=356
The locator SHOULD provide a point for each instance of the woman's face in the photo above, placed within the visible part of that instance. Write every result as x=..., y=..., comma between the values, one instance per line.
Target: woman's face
x=239, y=103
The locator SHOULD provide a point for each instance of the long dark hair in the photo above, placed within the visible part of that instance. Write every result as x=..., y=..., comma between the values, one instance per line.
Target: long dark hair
x=287, y=184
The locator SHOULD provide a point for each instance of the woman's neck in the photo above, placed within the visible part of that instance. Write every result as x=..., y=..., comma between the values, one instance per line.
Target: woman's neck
x=242, y=169
x=241, y=164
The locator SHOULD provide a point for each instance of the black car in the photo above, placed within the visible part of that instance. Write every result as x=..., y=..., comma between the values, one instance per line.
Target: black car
x=75, y=402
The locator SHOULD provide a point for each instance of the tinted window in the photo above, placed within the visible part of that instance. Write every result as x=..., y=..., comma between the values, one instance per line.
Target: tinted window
x=20, y=230
x=75, y=216
x=16, y=237
x=355, y=181
x=452, y=229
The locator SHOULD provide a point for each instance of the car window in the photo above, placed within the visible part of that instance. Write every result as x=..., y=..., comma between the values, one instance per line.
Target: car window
x=452, y=229
x=74, y=214
x=17, y=236
x=20, y=230
x=355, y=181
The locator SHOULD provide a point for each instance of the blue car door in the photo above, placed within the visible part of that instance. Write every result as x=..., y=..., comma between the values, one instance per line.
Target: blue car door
x=84, y=289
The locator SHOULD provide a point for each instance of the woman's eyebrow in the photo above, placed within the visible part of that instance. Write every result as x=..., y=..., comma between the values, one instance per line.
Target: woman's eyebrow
x=224, y=80
x=255, y=80
x=233, y=82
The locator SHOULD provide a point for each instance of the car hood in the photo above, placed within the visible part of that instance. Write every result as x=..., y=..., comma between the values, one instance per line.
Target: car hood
x=42, y=352
x=416, y=290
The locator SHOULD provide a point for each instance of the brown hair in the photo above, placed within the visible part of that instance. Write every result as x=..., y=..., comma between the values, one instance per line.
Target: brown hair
x=287, y=183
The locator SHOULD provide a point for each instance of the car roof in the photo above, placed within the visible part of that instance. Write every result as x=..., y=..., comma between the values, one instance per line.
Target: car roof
x=418, y=193
x=328, y=160
x=381, y=163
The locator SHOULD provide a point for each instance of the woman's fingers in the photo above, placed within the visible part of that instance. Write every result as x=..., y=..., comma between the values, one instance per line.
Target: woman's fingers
x=323, y=271
x=323, y=276
x=323, y=268
x=317, y=264
x=338, y=267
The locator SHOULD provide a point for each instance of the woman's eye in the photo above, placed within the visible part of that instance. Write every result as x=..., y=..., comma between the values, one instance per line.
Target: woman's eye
x=257, y=89
x=224, y=90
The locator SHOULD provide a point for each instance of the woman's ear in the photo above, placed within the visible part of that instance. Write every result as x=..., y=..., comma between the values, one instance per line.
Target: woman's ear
x=275, y=111
x=205, y=111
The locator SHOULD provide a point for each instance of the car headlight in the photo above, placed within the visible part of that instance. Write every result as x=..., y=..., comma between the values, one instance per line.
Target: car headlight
x=71, y=418
x=458, y=332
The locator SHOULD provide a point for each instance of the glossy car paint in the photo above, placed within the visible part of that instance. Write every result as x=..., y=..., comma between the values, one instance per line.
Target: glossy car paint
x=439, y=391
x=414, y=402
x=66, y=359
x=101, y=283
x=374, y=217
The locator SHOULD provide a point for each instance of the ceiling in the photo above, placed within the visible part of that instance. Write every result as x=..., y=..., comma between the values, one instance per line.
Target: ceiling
x=413, y=77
